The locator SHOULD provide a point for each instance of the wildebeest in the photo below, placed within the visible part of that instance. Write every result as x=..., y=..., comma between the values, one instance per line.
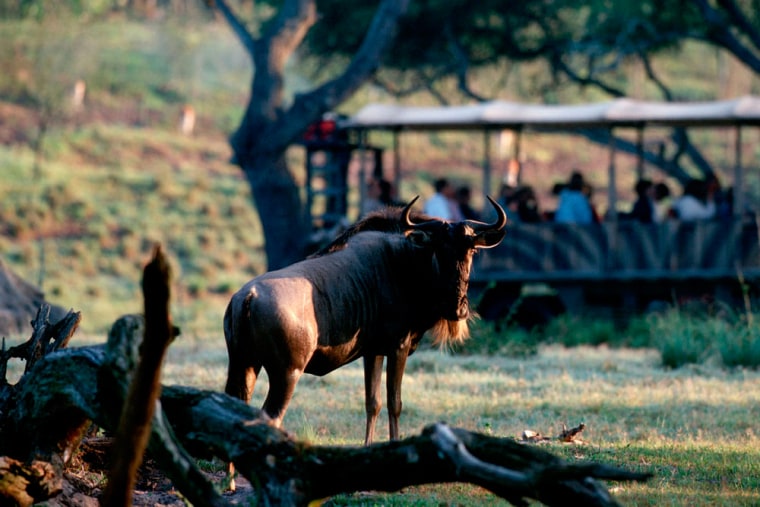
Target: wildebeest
x=373, y=293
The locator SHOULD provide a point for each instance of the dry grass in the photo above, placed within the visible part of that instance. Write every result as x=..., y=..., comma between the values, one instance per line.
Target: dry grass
x=695, y=428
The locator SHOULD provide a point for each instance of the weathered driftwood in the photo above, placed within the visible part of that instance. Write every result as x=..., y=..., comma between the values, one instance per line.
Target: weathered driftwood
x=567, y=435
x=139, y=407
x=46, y=338
x=44, y=417
x=17, y=477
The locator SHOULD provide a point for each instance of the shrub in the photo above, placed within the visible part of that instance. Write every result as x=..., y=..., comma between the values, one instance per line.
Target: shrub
x=637, y=334
x=741, y=347
x=512, y=342
x=572, y=331
x=683, y=339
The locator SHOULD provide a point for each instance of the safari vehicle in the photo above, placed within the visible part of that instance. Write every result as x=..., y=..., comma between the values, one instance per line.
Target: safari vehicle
x=615, y=265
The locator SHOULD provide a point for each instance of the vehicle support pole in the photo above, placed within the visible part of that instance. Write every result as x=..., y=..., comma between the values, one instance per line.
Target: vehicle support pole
x=486, y=162
x=738, y=207
x=640, y=153
x=516, y=156
x=611, y=217
x=611, y=181
x=396, y=163
x=363, y=170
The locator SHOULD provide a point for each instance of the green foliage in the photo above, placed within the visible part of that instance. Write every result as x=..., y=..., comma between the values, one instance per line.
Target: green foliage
x=569, y=330
x=680, y=336
x=684, y=338
x=513, y=342
x=740, y=347
x=687, y=342
x=585, y=43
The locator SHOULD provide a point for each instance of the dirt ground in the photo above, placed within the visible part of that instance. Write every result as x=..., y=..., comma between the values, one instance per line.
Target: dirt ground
x=86, y=476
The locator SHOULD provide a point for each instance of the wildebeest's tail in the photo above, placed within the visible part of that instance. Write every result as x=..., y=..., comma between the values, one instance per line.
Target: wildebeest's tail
x=241, y=369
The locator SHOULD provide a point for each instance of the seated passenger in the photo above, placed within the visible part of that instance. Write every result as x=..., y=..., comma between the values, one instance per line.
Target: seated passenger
x=696, y=203
x=527, y=205
x=574, y=206
x=643, y=208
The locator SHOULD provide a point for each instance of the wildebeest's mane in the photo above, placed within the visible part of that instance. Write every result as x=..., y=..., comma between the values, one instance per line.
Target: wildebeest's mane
x=386, y=219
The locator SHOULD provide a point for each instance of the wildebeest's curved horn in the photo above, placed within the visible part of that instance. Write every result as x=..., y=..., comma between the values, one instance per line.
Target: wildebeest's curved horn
x=406, y=217
x=406, y=212
x=500, y=223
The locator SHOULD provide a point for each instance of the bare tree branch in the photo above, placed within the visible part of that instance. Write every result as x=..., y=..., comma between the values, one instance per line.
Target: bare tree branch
x=363, y=65
x=238, y=27
x=719, y=33
x=140, y=404
x=461, y=65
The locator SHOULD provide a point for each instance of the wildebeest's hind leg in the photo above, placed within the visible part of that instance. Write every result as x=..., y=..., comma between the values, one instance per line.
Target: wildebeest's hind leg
x=241, y=377
x=373, y=372
x=242, y=369
x=282, y=384
x=243, y=365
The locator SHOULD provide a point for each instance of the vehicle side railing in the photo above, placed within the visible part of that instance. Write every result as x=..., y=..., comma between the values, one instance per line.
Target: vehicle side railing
x=626, y=250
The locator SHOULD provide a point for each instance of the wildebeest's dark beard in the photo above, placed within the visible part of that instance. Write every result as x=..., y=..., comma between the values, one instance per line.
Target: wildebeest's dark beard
x=450, y=332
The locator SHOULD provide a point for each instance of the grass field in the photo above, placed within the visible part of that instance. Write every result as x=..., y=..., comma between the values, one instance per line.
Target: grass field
x=696, y=428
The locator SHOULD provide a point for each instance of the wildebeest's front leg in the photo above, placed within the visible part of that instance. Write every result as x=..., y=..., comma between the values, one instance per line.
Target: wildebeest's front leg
x=373, y=373
x=394, y=372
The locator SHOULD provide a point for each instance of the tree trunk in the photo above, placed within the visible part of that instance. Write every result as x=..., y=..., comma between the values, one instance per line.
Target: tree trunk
x=282, y=212
x=268, y=128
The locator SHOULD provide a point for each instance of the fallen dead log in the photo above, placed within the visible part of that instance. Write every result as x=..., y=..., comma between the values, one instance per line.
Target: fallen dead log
x=294, y=473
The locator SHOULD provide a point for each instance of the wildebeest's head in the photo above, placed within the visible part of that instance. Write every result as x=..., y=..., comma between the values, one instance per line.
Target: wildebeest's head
x=453, y=244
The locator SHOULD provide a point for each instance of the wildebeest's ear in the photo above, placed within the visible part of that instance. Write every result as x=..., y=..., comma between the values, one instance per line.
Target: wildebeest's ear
x=418, y=238
x=489, y=239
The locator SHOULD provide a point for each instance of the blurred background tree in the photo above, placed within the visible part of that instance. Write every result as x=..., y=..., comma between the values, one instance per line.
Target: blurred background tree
x=311, y=57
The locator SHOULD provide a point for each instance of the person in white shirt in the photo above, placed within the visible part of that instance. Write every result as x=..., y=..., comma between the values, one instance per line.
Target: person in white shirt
x=696, y=203
x=662, y=201
x=443, y=203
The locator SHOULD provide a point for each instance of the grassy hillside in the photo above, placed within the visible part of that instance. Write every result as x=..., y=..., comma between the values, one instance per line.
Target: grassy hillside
x=85, y=227
x=82, y=205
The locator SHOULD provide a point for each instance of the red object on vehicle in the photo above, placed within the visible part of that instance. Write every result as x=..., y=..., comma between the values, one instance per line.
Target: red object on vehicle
x=322, y=130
